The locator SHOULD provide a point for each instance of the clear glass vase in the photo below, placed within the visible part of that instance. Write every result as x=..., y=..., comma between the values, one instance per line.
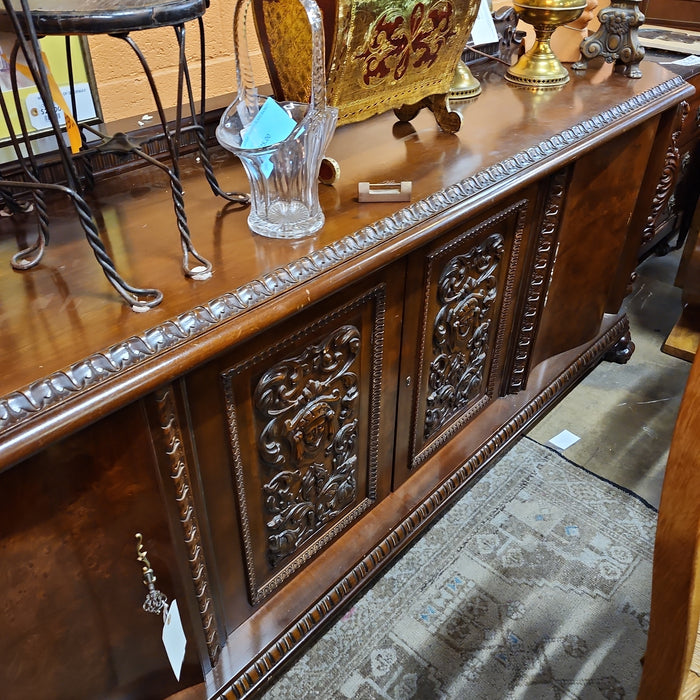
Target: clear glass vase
x=284, y=175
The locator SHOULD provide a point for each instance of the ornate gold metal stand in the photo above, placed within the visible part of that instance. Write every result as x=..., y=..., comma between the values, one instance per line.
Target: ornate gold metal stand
x=539, y=67
x=616, y=38
x=464, y=84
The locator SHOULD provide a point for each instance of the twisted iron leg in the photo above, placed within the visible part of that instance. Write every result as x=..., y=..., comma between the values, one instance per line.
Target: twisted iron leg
x=30, y=256
x=203, y=269
x=234, y=197
x=139, y=299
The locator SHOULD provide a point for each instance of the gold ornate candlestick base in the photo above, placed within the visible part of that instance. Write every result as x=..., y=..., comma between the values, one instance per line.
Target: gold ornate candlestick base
x=539, y=67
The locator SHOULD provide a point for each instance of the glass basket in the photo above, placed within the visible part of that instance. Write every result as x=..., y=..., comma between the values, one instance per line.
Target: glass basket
x=283, y=176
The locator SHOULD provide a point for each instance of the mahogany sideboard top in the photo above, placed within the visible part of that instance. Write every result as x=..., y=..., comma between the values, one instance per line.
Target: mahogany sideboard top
x=71, y=349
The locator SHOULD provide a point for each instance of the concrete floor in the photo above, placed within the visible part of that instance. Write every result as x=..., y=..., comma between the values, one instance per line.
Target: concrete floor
x=625, y=414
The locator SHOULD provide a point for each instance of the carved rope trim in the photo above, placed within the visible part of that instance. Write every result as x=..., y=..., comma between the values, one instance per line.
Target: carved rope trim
x=256, y=591
x=49, y=392
x=539, y=275
x=179, y=473
x=413, y=524
x=668, y=177
x=458, y=421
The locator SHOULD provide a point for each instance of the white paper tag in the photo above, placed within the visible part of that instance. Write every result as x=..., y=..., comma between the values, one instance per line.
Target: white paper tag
x=174, y=638
x=687, y=61
x=564, y=439
x=39, y=118
x=484, y=30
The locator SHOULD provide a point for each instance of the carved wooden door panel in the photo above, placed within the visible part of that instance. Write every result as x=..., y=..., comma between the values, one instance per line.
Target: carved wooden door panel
x=293, y=436
x=460, y=299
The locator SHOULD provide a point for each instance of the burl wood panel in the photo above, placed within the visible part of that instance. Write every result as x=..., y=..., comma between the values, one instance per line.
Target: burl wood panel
x=71, y=620
x=592, y=236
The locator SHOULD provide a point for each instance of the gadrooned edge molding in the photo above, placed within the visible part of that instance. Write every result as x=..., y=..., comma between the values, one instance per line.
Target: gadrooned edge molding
x=47, y=393
x=416, y=521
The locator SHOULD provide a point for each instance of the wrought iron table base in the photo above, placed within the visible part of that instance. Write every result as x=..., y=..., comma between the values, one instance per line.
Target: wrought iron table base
x=194, y=265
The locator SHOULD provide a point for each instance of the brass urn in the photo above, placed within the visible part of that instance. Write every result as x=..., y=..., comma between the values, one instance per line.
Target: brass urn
x=380, y=54
x=539, y=67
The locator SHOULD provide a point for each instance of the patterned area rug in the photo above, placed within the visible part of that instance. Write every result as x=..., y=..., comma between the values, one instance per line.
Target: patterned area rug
x=535, y=585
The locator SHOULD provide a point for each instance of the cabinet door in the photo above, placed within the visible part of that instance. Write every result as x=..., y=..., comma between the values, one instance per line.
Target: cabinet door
x=293, y=435
x=459, y=310
x=71, y=618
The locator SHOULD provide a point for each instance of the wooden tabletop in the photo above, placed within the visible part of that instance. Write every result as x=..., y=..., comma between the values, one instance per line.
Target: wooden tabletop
x=71, y=346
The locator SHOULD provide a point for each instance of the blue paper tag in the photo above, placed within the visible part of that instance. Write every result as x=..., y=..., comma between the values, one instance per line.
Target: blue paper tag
x=270, y=125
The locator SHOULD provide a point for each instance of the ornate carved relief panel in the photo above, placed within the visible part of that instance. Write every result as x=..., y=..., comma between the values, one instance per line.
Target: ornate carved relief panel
x=293, y=433
x=467, y=295
x=661, y=204
x=302, y=419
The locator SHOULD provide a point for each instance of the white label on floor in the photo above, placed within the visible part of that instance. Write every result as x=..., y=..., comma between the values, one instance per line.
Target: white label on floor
x=564, y=439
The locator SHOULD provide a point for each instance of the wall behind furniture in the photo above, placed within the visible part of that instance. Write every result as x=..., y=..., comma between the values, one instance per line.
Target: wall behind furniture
x=122, y=85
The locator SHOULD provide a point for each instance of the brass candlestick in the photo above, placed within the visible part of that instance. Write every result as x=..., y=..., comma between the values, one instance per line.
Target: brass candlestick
x=464, y=85
x=539, y=67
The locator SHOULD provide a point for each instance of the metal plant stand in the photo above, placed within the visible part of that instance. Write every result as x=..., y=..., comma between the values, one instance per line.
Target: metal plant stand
x=118, y=19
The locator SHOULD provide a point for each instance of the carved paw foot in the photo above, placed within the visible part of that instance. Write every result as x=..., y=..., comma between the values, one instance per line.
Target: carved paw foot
x=631, y=70
x=621, y=351
x=446, y=119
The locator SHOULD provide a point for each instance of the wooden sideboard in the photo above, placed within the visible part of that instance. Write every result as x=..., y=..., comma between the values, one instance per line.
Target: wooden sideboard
x=280, y=432
x=675, y=196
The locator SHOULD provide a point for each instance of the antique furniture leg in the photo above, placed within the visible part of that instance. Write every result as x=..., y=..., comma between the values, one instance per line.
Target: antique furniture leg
x=202, y=270
x=234, y=197
x=439, y=105
x=621, y=352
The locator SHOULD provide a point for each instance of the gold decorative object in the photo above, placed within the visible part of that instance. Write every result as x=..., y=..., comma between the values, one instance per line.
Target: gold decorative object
x=539, y=67
x=464, y=84
x=380, y=54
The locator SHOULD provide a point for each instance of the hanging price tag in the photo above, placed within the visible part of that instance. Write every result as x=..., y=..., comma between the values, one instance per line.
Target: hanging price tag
x=174, y=638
